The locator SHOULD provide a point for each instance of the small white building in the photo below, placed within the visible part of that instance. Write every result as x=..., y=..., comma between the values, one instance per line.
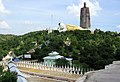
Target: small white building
x=50, y=60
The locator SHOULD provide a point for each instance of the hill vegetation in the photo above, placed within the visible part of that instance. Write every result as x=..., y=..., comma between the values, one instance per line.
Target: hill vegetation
x=5, y=37
x=90, y=50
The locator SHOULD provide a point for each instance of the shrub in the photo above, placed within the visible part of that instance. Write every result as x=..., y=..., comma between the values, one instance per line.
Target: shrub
x=7, y=76
x=62, y=62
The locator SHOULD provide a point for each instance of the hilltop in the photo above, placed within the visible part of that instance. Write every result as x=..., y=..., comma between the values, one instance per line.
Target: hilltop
x=5, y=37
x=87, y=49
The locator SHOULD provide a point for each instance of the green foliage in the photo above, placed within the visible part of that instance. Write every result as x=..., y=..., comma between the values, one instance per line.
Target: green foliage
x=62, y=62
x=5, y=37
x=7, y=76
x=40, y=54
x=1, y=56
x=1, y=70
x=91, y=50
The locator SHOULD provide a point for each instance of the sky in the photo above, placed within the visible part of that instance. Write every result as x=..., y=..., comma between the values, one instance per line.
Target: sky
x=23, y=16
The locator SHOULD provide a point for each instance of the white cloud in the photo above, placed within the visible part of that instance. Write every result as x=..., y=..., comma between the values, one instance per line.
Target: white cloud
x=27, y=22
x=31, y=23
x=94, y=7
x=4, y=25
x=2, y=9
x=118, y=26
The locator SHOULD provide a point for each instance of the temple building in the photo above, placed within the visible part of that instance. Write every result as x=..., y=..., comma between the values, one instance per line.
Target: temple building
x=50, y=60
x=85, y=17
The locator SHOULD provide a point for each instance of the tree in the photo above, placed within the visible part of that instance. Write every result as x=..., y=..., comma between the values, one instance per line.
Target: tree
x=89, y=49
x=62, y=62
x=1, y=70
x=39, y=54
x=7, y=76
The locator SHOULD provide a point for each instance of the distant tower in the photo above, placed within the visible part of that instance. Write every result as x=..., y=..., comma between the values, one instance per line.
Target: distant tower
x=85, y=17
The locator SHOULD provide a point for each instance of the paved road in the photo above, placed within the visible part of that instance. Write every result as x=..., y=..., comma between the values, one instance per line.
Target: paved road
x=110, y=74
x=32, y=78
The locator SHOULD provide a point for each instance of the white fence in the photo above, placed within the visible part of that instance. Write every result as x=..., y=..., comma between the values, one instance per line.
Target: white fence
x=0, y=63
x=42, y=66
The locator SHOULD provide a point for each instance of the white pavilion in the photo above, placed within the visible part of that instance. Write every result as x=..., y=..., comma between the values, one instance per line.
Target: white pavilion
x=50, y=60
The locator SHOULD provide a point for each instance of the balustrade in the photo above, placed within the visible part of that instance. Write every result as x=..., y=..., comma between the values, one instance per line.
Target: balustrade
x=42, y=66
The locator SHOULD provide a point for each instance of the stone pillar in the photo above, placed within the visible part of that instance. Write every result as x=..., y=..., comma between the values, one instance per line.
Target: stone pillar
x=85, y=17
